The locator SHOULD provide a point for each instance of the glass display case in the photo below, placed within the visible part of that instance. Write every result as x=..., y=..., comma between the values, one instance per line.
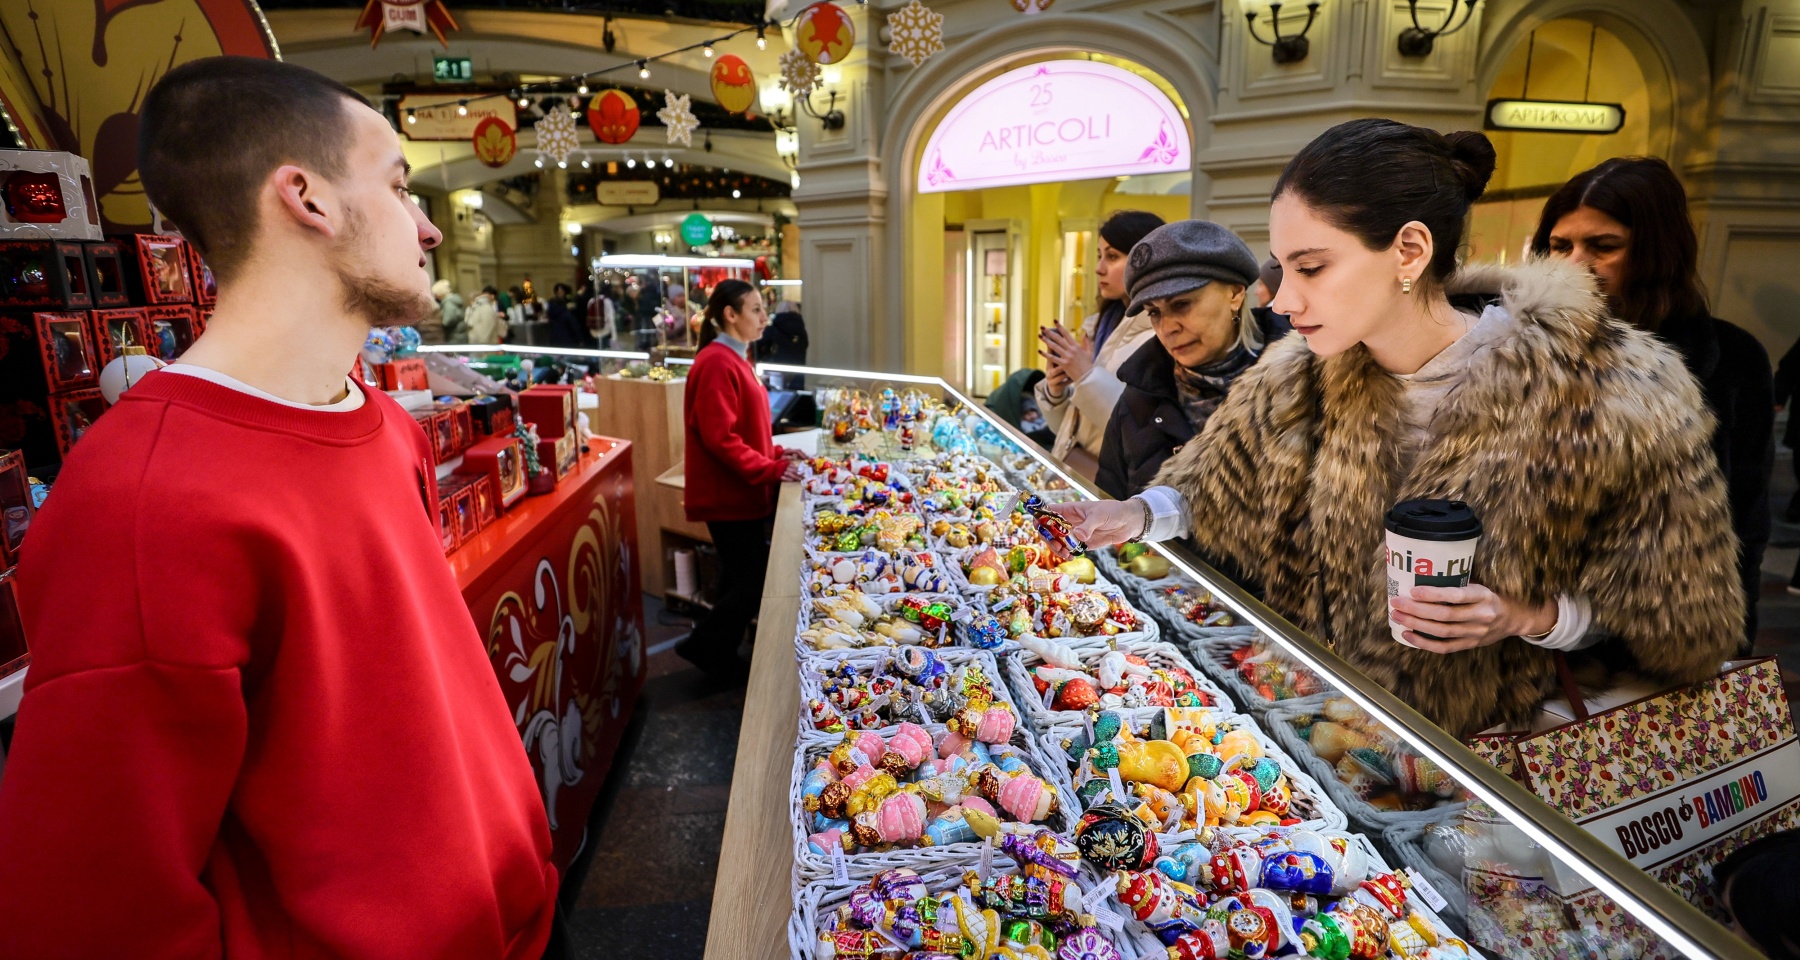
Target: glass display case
x=1510, y=874
x=645, y=285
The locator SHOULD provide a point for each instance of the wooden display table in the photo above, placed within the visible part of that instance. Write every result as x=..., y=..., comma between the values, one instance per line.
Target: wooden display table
x=650, y=413
x=752, y=893
x=553, y=587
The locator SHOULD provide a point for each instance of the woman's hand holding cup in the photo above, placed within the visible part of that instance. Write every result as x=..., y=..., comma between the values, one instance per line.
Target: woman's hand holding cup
x=1467, y=617
x=1103, y=523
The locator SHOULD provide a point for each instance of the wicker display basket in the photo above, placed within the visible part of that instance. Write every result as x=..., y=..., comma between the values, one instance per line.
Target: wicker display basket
x=888, y=602
x=1213, y=655
x=810, y=866
x=1149, y=596
x=816, y=561
x=868, y=660
x=1278, y=722
x=1406, y=841
x=1018, y=673
x=1312, y=805
x=898, y=478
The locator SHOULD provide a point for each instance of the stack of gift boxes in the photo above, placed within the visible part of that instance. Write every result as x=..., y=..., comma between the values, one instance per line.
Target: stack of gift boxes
x=71, y=301
x=492, y=476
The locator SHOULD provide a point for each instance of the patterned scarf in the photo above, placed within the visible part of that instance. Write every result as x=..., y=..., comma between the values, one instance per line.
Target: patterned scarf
x=1202, y=389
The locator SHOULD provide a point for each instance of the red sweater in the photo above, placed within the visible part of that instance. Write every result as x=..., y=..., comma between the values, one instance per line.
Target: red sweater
x=259, y=720
x=733, y=465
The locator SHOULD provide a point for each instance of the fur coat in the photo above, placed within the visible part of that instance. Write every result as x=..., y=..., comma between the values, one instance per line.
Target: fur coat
x=1582, y=444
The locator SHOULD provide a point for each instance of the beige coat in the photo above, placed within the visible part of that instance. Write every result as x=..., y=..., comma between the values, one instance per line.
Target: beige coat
x=483, y=321
x=1582, y=443
x=1079, y=416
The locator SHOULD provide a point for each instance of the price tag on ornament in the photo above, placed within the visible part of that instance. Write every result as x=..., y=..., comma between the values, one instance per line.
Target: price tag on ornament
x=840, y=869
x=1087, y=724
x=858, y=757
x=987, y=860
x=1424, y=889
x=1094, y=902
x=1118, y=786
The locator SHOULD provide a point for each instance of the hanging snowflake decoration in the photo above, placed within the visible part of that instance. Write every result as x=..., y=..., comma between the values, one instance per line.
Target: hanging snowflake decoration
x=800, y=76
x=556, y=137
x=678, y=116
x=915, y=32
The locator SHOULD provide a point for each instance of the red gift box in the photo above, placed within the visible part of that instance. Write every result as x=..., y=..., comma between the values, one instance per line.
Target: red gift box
x=206, y=289
x=170, y=330
x=487, y=504
x=558, y=456
x=114, y=330
x=15, y=655
x=502, y=461
x=16, y=509
x=468, y=522
x=43, y=273
x=551, y=407
x=447, y=522
x=73, y=412
x=66, y=346
x=162, y=274
x=465, y=426
x=106, y=274
x=443, y=435
x=404, y=374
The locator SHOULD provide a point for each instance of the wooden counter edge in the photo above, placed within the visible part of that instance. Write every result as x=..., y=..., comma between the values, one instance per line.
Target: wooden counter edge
x=752, y=892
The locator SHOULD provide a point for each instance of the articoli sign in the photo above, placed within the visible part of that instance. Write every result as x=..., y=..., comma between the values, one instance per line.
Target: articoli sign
x=1059, y=120
x=1555, y=116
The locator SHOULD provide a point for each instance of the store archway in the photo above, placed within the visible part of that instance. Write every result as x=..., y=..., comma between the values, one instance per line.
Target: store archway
x=1583, y=51
x=1045, y=228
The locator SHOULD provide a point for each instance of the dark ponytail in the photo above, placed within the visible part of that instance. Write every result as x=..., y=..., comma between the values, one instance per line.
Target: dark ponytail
x=1372, y=177
x=729, y=293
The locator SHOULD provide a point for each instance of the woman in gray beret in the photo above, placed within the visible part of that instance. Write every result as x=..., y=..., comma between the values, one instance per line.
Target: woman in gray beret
x=1189, y=278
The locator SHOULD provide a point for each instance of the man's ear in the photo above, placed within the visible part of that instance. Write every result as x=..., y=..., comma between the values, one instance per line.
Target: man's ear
x=304, y=198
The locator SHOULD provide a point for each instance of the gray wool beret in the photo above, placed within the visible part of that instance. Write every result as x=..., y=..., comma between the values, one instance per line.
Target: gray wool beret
x=1185, y=255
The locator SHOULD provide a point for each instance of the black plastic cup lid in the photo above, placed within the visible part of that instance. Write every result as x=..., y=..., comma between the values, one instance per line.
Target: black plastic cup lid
x=1434, y=520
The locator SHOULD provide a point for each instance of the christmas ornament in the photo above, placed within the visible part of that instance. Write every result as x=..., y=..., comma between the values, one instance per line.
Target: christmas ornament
x=799, y=76
x=1031, y=6
x=415, y=15
x=915, y=32
x=824, y=33
x=613, y=116
x=495, y=142
x=678, y=116
x=556, y=137
x=733, y=86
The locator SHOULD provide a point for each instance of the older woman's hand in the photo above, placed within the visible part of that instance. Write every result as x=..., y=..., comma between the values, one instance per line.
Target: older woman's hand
x=1467, y=617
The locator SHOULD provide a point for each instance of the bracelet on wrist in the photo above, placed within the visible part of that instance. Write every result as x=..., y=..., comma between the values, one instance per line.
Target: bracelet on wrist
x=1149, y=518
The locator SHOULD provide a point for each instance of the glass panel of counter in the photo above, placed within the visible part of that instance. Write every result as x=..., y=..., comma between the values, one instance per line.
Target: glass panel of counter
x=1496, y=869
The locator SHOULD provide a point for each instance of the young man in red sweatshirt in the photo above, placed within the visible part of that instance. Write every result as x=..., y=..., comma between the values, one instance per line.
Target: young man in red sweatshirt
x=260, y=721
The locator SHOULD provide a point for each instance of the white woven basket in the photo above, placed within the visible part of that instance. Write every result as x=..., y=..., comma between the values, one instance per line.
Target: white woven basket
x=898, y=478
x=818, y=560
x=1278, y=722
x=1018, y=673
x=1150, y=596
x=869, y=660
x=1214, y=655
x=811, y=866
x=888, y=602
x=1311, y=804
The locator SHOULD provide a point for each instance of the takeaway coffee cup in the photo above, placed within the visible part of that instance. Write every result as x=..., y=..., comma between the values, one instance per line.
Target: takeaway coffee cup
x=1430, y=543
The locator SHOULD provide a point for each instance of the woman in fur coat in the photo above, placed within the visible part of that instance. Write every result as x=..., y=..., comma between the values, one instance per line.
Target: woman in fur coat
x=1582, y=443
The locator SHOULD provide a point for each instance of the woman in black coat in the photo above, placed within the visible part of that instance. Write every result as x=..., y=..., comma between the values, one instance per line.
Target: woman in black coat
x=1191, y=277
x=1627, y=221
x=785, y=339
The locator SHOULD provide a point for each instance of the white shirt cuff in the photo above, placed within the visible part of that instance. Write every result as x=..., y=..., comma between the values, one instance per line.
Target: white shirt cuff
x=1574, y=617
x=1170, y=517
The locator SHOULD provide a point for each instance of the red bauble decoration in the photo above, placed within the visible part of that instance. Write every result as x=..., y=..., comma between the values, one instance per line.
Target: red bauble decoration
x=613, y=116
x=733, y=86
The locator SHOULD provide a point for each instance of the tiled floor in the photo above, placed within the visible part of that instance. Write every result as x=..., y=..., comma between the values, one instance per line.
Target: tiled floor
x=654, y=838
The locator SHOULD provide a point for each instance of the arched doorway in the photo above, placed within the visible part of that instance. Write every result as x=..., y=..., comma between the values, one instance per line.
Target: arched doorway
x=1009, y=180
x=1573, y=59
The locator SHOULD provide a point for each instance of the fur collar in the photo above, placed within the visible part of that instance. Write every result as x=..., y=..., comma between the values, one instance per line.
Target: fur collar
x=1552, y=295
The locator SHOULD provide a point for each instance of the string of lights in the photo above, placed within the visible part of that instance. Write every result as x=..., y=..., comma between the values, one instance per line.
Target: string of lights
x=522, y=92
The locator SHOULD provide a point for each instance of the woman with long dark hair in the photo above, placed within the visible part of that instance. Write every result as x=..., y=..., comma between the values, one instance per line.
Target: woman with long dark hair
x=733, y=469
x=1081, y=382
x=1626, y=221
x=1580, y=442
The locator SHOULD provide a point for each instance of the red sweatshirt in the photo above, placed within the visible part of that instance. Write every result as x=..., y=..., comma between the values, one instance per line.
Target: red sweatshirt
x=733, y=465
x=259, y=720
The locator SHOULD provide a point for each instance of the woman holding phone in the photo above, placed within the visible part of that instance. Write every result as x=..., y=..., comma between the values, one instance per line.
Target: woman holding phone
x=1081, y=383
x=1581, y=444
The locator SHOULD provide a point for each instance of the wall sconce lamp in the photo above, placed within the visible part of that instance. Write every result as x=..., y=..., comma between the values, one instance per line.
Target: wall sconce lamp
x=1291, y=49
x=1416, y=41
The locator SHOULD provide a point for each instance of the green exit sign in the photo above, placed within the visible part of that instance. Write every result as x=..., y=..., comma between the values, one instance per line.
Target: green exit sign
x=452, y=69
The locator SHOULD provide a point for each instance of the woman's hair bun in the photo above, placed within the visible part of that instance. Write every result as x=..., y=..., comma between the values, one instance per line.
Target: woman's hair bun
x=1474, y=155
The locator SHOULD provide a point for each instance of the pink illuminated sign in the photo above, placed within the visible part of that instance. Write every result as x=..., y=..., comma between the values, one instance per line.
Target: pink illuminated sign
x=1061, y=120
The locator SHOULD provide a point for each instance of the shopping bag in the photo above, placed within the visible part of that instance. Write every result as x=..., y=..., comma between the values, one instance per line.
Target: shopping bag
x=1674, y=782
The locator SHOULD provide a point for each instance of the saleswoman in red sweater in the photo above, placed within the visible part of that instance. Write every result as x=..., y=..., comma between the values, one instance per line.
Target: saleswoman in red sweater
x=733, y=466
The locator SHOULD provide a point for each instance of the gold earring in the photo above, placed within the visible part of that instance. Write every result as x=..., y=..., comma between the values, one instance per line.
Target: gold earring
x=1406, y=285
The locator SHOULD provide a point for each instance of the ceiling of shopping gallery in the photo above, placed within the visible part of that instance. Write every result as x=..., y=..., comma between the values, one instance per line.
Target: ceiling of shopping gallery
x=535, y=52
